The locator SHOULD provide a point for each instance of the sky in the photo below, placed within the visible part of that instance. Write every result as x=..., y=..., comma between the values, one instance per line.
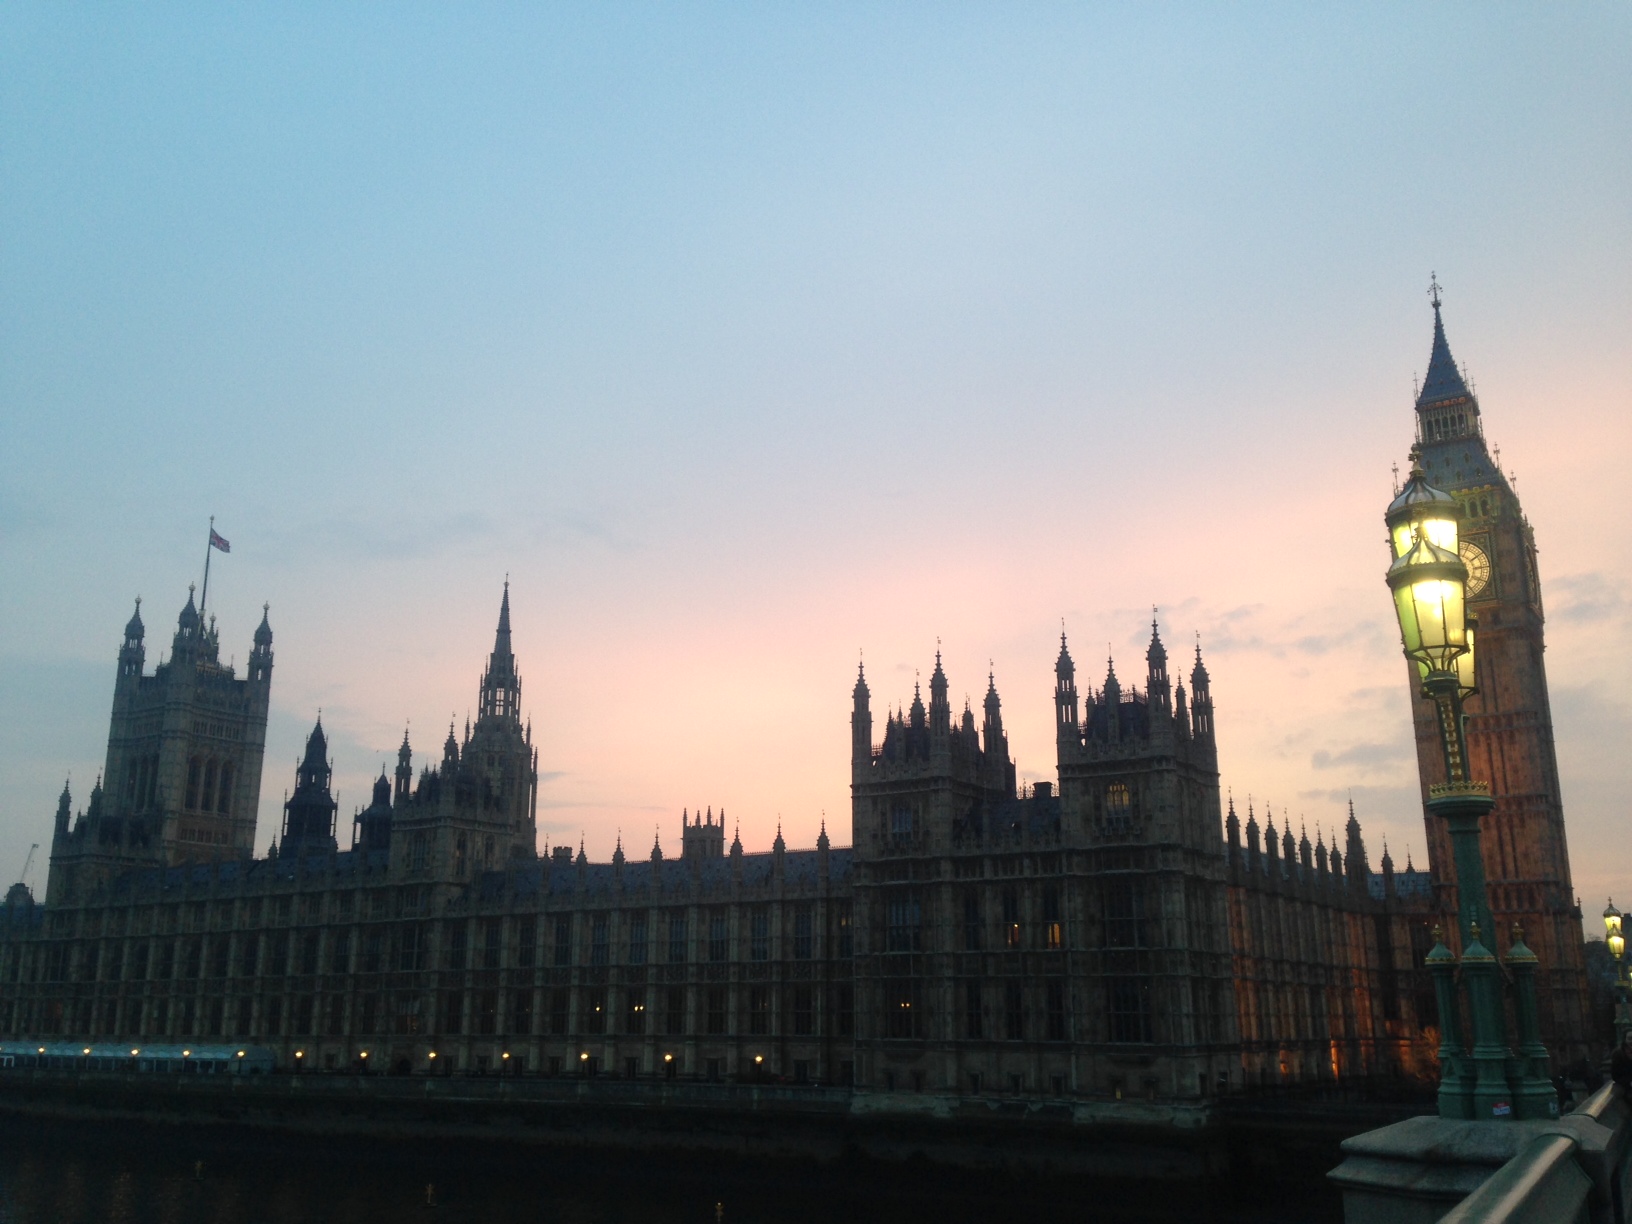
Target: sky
x=749, y=340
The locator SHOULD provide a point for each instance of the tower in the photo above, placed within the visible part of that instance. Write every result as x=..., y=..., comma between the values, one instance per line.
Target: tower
x=182, y=776
x=308, y=815
x=1509, y=720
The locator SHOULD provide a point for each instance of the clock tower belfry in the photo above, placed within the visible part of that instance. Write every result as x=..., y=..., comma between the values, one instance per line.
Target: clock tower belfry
x=1509, y=719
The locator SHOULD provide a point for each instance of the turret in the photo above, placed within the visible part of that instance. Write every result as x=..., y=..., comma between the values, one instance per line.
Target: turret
x=1157, y=689
x=260, y=654
x=940, y=710
x=1232, y=830
x=308, y=816
x=998, y=770
x=1355, y=851
x=1305, y=851
x=1253, y=852
x=1065, y=697
x=132, y=654
x=1111, y=696
x=450, y=756
x=861, y=726
x=1272, y=849
x=64, y=812
x=405, y=769
x=1201, y=701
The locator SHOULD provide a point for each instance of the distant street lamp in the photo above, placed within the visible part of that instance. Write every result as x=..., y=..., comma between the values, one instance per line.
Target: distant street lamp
x=1617, y=949
x=1429, y=583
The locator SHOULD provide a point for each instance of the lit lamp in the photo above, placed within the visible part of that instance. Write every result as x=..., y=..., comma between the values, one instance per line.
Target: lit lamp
x=1428, y=581
x=1617, y=949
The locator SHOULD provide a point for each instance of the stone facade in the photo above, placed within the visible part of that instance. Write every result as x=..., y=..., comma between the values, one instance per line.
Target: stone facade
x=1098, y=940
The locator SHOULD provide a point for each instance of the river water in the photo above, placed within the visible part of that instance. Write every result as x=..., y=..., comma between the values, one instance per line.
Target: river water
x=156, y=1174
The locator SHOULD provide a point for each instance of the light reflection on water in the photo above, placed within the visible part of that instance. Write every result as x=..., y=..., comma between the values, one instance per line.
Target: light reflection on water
x=146, y=1173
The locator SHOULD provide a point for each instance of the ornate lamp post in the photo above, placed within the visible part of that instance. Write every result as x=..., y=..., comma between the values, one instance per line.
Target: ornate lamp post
x=1617, y=949
x=1429, y=583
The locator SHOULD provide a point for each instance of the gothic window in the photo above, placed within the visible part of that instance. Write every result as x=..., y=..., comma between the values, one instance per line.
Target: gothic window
x=599, y=939
x=1055, y=998
x=453, y=1012
x=716, y=1011
x=846, y=942
x=369, y=1014
x=719, y=935
x=674, y=1012
x=489, y=852
x=492, y=943
x=637, y=939
x=1124, y=913
x=1129, y=1009
x=759, y=945
x=249, y=954
x=901, y=1009
x=563, y=939
x=220, y=953
x=1053, y=933
x=521, y=1013
x=308, y=953
x=903, y=924
x=411, y=945
x=634, y=1019
x=207, y=799
x=456, y=945
x=194, y=768
x=972, y=1021
x=677, y=938
x=971, y=923
x=802, y=937
x=459, y=852
x=1118, y=808
x=340, y=951
x=223, y=796
x=485, y=1012
x=759, y=1011
x=901, y=823
x=526, y=942
x=1014, y=1012
x=804, y=1012
x=558, y=1013
x=374, y=950
x=1011, y=918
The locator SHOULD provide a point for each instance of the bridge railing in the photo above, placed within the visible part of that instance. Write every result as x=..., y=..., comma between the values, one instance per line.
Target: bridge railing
x=1577, y=1172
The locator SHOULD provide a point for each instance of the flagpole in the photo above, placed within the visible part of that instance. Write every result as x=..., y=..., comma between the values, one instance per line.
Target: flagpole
x=209, y=544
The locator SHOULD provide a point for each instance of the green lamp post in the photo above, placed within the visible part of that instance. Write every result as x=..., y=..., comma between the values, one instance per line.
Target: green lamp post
x=1429, y=583
x=1617, y=949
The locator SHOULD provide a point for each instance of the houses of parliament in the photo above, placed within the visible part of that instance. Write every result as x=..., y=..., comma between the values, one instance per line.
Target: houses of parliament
x=1120, y=932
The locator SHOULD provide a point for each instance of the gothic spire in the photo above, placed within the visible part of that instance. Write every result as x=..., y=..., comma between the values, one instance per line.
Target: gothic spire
x=1443, y=381
x=501, y=686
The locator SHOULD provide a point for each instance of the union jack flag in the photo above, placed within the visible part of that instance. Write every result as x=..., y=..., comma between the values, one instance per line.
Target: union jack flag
x=219, y=541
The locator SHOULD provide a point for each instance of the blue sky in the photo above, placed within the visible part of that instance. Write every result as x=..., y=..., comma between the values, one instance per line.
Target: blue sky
x=746, y=338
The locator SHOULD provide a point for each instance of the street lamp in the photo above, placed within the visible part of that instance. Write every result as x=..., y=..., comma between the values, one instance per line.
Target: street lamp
x=1617, y=949
x=1429, y=582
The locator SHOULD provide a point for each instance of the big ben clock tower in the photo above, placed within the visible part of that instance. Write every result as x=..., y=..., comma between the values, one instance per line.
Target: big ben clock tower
x=1510, y=722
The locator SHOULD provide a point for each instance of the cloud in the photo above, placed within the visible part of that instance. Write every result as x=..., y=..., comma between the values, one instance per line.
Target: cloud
x=1587, y=598
x=1366, y=758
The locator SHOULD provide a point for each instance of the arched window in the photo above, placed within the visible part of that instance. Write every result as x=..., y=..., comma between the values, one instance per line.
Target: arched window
x=223, y=800
x=1118, y=807
x=459, y=850
x=194, y=768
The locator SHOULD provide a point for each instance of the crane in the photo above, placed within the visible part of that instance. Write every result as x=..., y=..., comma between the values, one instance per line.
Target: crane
x=28, y=862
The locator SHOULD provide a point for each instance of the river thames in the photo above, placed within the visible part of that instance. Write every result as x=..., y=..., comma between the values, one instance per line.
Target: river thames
x=153, y=1174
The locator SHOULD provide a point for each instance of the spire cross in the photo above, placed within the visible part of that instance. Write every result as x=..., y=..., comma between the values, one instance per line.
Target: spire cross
x=1434, y=290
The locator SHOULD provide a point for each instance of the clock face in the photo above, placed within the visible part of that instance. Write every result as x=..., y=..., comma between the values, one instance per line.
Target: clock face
x=1478, y=564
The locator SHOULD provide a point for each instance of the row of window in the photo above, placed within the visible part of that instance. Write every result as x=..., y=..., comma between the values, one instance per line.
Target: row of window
x=457, y=1012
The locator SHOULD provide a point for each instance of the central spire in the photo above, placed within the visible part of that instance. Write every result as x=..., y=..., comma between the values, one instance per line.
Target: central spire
x=501, y=686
